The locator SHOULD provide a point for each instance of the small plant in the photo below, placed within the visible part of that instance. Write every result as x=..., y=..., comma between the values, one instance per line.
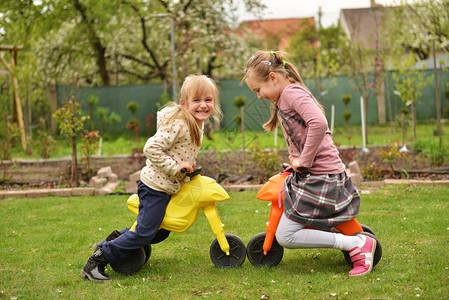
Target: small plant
x=164, y=99
x=404, y=113
x=346, y=99
x=446, y=108
x=132, y=107
x=133, y=124
x=373, y=171
x=419, y=146
x=136, y=156
x=44, y=142
x=437, y=153
x=90, y=144
x=392, y=155
x=70, y=120
x=8, y=136
x=347, y=154
x=6, y=174
x=133, y=127
x=268, y=160
x=107, y=119
x=148, y=122
x=240, y=102
x=93, y=102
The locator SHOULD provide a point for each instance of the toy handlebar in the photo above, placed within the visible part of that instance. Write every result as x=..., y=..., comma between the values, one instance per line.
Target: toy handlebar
x=288, y=168
x=195, y=172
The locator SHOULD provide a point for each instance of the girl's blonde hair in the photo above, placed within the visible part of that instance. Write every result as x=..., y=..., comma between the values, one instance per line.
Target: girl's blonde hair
x=195, y=86
x=261, y=64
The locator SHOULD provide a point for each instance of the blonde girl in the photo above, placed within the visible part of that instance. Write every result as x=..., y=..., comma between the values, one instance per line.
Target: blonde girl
x=172, y=148
x=320, y=193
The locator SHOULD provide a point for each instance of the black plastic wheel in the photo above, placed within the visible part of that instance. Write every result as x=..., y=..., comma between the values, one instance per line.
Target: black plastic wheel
x=132, y=263
x=147, y=249
x=234, y=259
x=160, y=236
x=367, y=229
x=255, y=253
x=377, y=253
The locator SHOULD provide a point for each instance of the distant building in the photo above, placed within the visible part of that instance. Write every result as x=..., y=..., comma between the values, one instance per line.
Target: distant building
x=276, y=33
x=363, y=25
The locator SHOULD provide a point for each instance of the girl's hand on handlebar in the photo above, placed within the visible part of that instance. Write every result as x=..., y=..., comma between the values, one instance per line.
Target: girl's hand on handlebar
x=295, y=164
x=186, y=166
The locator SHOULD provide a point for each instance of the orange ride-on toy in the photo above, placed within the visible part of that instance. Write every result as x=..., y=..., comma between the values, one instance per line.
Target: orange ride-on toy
x=264, y=250
x=201, y=192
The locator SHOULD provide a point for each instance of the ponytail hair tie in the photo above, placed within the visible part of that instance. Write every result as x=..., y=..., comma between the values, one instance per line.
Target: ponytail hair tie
x=283, y=61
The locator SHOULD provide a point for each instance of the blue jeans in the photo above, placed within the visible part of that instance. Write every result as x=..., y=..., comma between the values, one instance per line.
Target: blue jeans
x=151, y=213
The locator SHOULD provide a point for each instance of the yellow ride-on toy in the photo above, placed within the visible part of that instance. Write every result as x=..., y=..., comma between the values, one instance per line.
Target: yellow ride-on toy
x=201, y=192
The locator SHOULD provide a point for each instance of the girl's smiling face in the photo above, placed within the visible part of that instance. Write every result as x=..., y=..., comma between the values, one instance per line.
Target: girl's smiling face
x=200, y=107
x=265, y=89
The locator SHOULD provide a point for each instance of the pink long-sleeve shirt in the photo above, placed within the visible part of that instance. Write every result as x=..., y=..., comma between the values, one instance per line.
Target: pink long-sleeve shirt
x=306, y=131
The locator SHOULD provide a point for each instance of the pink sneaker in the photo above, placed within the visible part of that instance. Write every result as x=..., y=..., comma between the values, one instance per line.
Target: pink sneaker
x=362, y=259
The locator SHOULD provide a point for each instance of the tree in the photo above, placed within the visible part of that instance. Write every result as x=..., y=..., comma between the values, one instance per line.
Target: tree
x=126, y=41
x=359, y=67
x=409, y=82
x=318, y=51
x=423, y=28
x=417, y=24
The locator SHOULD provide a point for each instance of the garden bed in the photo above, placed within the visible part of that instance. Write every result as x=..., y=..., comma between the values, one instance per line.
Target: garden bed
x=224, y=166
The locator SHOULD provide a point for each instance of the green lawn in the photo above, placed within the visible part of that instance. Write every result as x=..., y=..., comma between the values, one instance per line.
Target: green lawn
x=45, y=242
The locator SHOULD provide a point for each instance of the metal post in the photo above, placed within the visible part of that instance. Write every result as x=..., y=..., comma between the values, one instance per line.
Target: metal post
x=173, y=57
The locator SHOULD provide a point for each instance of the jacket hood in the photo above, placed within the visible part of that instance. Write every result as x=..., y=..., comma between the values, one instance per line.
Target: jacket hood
x=165, y=113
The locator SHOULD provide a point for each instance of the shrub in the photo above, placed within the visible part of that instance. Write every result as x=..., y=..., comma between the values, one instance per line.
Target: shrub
x=437, y=153
x=373, y=171
x=89, y=145
x=8, y=135
x=44, y=143
x=268, y=160
x=392, y=155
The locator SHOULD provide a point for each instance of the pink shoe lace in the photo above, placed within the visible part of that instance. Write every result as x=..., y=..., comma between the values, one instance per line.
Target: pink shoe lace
x=363, y=258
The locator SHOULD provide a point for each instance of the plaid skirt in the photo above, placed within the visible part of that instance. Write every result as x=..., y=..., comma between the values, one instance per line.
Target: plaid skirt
x=321, y=201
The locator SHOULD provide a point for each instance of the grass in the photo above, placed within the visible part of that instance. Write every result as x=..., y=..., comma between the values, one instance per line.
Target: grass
x=45, y=242
x=377, y=136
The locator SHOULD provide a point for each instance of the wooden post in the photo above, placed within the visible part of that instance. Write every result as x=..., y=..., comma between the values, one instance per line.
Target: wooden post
x=15, y=88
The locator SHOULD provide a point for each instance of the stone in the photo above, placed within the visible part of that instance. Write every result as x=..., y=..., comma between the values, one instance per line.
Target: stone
x=83, y=192
x=97, y=182
x=105, y=172
x=131, y=187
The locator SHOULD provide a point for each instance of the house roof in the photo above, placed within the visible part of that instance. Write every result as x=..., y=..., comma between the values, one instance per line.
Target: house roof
x=284, y=29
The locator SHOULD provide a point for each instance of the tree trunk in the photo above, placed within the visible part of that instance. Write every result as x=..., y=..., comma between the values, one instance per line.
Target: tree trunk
x=413, y=109
x=95, y=41
x=380, y=96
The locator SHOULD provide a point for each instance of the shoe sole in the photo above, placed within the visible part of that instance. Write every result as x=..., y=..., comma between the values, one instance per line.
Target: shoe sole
x=372, y=261
x=87, y=275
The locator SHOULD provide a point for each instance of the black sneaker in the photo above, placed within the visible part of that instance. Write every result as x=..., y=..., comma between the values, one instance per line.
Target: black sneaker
x=115, y=234
x=94, y=268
